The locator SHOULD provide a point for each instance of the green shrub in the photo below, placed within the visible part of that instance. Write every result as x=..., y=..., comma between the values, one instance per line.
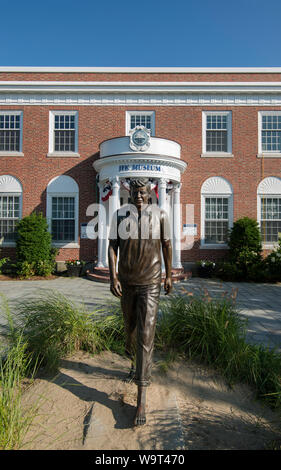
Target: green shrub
x=211, y=331
x=245, y=245
x=245, y=239
x=244, y=261
x=25, y=269
x=54, y=327
x=3, y=262
x=35, y=254
x=198, y=327
x=15, y=421
x=273, y=263
x=228, y=271
x=44, y=268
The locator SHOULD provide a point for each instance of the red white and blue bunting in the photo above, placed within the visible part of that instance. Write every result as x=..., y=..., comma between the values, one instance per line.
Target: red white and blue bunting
x=106, y=192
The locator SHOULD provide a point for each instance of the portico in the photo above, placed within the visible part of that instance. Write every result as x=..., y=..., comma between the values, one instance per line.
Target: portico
x=155, y=158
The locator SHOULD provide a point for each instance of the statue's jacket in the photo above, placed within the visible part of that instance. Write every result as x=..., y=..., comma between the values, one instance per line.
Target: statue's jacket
x=139, y=238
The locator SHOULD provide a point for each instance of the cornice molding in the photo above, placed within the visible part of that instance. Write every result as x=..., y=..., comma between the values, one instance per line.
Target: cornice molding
x=140, y=93
x=138, y=99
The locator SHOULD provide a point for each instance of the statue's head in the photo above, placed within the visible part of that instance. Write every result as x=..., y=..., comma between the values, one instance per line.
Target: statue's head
x=140, y=189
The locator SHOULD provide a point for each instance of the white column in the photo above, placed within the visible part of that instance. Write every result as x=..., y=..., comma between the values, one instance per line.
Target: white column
x=162, y=194
x=101, y=230
x=113, y=206
x=176, y=227
x=114, y=200
x=162, y=202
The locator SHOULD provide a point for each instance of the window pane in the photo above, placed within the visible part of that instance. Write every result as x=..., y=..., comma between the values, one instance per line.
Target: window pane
x=9, y=134
x=270, y=218
x=216, y=219
x=63, y=218
x=65, y=141
x=63, y=230
x=64, y=133
x=216, y=141
x=9, y=214
x=271, y=133
x=270, y=230
x=140, y=120
x=216, y=232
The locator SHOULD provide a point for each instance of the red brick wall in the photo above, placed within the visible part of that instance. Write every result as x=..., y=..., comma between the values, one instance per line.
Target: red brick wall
x=182, y=124
x=139, y=77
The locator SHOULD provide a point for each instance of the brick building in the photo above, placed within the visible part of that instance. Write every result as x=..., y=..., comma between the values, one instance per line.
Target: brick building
x=209, y=138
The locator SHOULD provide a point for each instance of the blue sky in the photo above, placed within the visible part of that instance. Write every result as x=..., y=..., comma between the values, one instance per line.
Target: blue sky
x=142, y=33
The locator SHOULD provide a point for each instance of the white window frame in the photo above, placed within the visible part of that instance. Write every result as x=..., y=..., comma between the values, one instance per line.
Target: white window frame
x=14, y=153
x=266, y=153
x=140, y=113
x=52, y=152
x=226, y=154
x=217, y=187
x=63, y=186
x=10, y=186
x=269, y=187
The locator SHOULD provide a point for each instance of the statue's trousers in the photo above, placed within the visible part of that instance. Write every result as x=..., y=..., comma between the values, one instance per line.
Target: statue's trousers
x=140, y=307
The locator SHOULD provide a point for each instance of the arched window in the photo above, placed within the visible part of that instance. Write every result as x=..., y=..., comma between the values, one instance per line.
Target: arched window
x=62, y=210
x=216, y=212
x=269, y=209
x=10, y=207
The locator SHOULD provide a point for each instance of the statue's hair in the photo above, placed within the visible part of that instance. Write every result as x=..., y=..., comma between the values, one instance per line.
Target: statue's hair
x=140, y=182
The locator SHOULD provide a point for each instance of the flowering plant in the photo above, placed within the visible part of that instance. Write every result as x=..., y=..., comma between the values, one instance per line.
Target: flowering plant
x=206, y=263
x=74, y=262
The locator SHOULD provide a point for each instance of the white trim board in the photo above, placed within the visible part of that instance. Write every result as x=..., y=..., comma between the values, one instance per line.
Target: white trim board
x=138, y=87
x=50, y=69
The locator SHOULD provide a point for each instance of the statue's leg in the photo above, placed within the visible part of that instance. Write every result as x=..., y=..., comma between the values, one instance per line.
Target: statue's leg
x=128, y=304
x=140, y=417
x=147, y=308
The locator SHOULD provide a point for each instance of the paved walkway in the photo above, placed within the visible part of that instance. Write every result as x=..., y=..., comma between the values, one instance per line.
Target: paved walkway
x=260, y=303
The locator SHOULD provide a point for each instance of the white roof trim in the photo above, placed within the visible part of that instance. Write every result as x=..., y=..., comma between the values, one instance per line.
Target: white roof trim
x=141, y=69
x=138, y=87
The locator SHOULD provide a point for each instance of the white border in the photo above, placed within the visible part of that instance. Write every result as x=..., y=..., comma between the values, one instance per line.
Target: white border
x=63, y=193
x=13, y=153
x=228, y=114
x=215, y=181
x=16, y=190
x=52, y=115
x=266, y=153
x=70, y=69
x=267, y=192
x=140, y=113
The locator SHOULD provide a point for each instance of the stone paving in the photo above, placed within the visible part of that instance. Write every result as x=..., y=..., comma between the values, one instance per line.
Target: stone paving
x=259, y=303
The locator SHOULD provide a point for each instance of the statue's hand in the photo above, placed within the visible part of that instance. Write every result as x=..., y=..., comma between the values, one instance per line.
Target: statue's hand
x=168, y=285
x=116, y=288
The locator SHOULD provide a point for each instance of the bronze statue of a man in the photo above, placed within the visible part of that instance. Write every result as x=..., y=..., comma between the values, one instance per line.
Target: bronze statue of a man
x=138, y=281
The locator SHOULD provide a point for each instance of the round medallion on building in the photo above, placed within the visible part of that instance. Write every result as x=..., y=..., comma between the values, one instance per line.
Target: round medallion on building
x=140, y=139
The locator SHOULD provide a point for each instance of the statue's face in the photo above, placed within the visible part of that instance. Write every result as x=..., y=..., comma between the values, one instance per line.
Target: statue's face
x=140, y=196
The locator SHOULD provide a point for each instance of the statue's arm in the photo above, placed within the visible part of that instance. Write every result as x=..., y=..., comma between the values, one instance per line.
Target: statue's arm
x=115, y=285
x=167, y=252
